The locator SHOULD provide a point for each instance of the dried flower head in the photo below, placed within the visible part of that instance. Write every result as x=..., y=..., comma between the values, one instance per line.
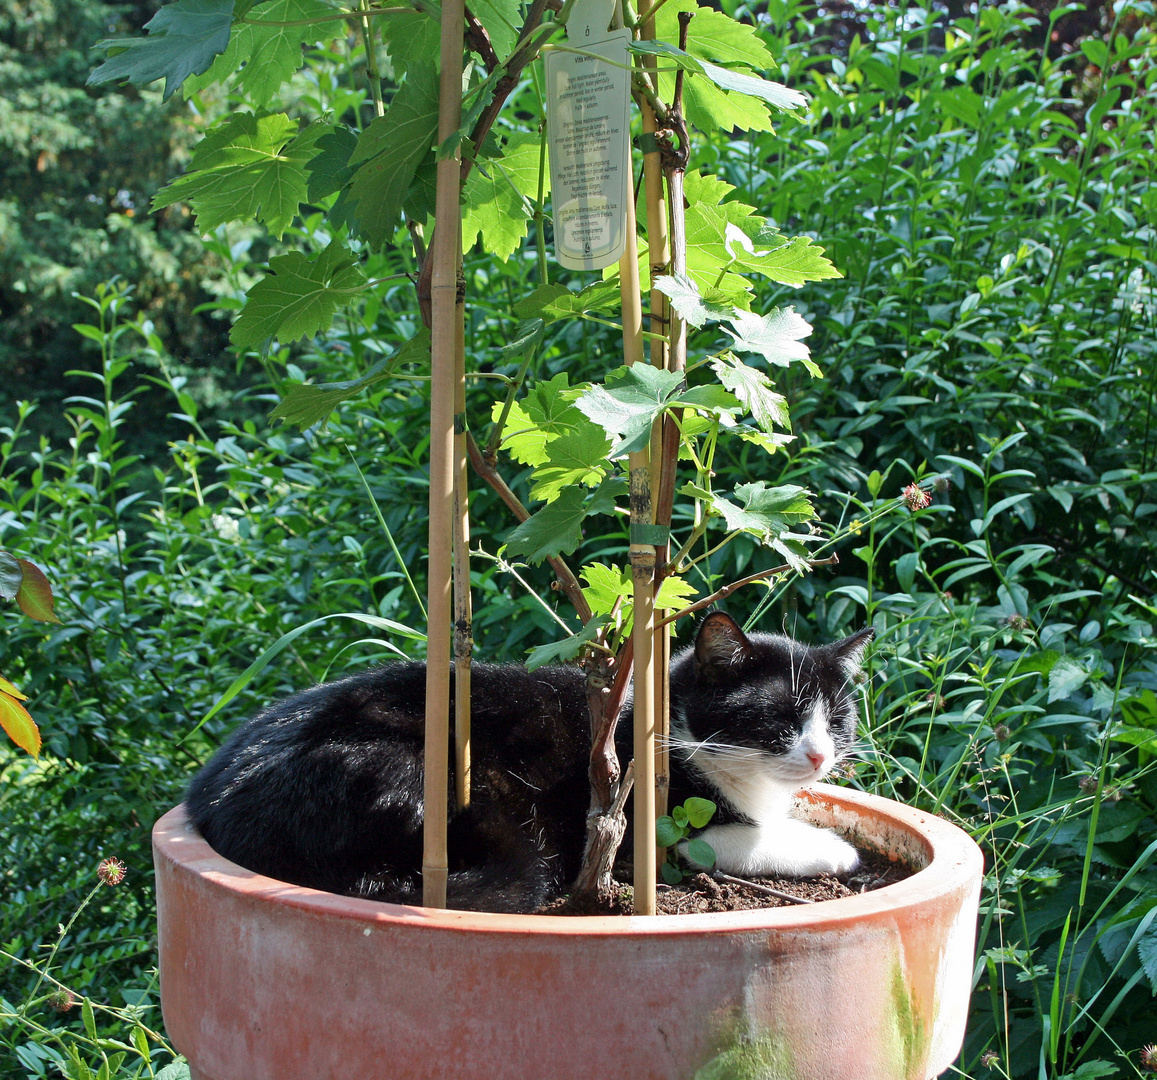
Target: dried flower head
x=937, y=702
x=1088, y=784
x=989, y=1058
x=1017, y=622
x=111, y=871
x=1001, y=733
x=915, y=497
x=942, y=483
x=61, y=1000
x=1149, y=1057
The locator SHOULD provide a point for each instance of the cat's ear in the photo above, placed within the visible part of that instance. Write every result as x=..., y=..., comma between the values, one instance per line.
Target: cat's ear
x=850, y=651
x=719, y=645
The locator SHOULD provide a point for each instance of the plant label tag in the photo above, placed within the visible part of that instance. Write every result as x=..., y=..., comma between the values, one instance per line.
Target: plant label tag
x=588, y=132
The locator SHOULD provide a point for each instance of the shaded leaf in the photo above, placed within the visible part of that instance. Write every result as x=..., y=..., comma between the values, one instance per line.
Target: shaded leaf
x=699, y=853
x=499, y=197
x=563, y=652
x=389, y=152
x=556, y=528
x=35, y=594
x=298, y=297
x=309, y=404
x=184, y=39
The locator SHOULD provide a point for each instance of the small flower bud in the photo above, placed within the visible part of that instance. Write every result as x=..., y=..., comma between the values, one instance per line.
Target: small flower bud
x=61, y=1000
x=942, y=483
x=1017, y=622
x=915, y=497
x=1001, y=733
x=111, y=871
x=937, y=702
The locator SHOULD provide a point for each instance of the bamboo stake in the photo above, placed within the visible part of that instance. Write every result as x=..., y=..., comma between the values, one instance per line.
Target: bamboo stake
x=643, y=578
x=443, y=347
x=463, y=613
x=662, y=460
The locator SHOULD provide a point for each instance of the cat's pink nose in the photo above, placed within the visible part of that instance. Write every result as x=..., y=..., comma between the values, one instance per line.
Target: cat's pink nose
x=817, y=760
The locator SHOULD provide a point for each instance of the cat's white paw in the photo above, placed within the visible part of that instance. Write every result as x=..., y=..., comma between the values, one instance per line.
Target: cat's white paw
x=832, y=855
x=784, y=849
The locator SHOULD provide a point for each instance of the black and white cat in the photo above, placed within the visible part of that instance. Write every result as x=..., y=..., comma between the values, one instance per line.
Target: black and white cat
x=325, y=789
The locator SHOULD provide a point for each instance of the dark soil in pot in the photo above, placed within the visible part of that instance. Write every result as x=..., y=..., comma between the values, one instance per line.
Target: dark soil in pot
x=707, y=892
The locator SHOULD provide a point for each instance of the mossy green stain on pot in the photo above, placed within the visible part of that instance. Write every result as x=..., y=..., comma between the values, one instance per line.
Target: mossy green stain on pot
x=912, y=1030
x=766, y=1056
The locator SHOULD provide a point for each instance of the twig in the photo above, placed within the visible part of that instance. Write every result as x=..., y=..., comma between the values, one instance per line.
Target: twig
x=719, y=875
x=727, y=590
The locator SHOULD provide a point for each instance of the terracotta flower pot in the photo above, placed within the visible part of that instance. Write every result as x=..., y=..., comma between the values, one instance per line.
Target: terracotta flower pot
x=261, y=980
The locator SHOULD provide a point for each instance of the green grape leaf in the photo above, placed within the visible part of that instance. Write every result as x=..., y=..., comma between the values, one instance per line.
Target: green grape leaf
x=565, y=651
x=556, y=528
x=553, y=302
x=753, y=388
x=501, y=19
x=412, y=38
x=674, y=592
x=627, y=403
x=298, y=297
x=606, y=586
x=247, y=167
x=546, y=412
x=184, y=39
x=775, y=94
x=768, y=513
x=776, y=336
x=711, y=35
x=693, y=307
x=577, y=456
x=311, y=403
x=270, y=55
x=790, y=262
x=711, y=109
x=498, y=197
x=329, y=170
x=389, y=152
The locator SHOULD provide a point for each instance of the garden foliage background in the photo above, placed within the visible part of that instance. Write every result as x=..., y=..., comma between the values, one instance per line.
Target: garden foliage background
x=984, y=181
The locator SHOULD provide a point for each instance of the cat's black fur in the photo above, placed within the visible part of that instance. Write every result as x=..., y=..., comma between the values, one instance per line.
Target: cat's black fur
x=325, y=789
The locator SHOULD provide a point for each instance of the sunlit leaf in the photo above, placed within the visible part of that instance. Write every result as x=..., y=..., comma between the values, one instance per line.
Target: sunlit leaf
x=753, y=388
x=776, y=336
x=247, y=167
x=10, y=576
x=18, y=724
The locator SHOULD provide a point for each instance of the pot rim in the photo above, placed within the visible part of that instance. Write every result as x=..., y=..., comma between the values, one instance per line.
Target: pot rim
x=954, y=863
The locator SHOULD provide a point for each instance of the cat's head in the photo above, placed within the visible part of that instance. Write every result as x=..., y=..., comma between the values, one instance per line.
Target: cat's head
x=764, y=707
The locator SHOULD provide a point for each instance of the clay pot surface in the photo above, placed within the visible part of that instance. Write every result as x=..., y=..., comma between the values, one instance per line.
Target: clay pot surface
x=261, y=980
